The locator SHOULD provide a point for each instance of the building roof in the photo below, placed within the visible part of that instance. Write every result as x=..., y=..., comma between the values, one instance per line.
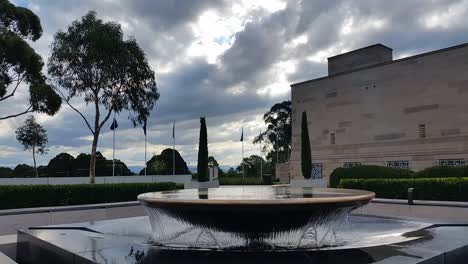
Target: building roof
x=359, y=50
x=464, y=45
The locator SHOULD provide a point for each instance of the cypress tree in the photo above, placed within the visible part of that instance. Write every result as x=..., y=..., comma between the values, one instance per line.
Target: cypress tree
x=202, y=166
x=306, y=156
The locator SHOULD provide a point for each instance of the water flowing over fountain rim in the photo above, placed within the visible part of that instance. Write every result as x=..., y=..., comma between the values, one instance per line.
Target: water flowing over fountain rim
x=354, y=196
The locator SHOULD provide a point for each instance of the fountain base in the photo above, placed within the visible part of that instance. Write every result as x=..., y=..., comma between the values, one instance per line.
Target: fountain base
x=126, y=241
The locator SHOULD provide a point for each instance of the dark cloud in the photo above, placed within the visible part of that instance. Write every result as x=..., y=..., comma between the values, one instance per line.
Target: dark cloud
x=229, y=92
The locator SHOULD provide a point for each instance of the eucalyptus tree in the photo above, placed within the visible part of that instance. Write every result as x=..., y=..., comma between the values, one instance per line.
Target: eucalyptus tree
x=276, y=139
x=93, y=61
x=33, y=137
x=20, y=65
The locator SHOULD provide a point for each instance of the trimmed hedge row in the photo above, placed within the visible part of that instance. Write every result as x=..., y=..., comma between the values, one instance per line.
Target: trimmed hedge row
x=380, y=172
x=442, y=172
x=240, y=181
x=25, y=196
x=368, y=172
x=442, y=189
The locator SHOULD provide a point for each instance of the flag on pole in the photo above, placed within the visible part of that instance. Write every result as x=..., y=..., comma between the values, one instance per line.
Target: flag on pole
x=114, y=125
x=242, y=135
x=144, y=127
x=173, y=129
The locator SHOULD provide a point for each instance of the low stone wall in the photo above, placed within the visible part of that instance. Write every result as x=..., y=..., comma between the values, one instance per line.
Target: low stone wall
x=184, y=179
x=13, y=219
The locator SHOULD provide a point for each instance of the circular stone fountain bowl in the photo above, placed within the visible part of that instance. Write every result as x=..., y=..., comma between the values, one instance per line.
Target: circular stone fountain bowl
x=250, y=216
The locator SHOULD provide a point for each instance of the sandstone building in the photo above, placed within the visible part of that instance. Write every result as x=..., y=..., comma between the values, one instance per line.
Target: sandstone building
x=371, y=109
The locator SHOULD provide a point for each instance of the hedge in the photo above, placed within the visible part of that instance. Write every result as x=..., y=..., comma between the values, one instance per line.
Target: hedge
x=442, y=189
x=240, y=181
x=442, y=172
x=25, y=196
x=368, y=172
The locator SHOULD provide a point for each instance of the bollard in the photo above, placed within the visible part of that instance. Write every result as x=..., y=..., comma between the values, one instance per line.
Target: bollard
x=410, y=195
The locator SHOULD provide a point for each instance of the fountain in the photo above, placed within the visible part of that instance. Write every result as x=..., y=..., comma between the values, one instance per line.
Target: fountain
x=250, y=224
x=251, y=217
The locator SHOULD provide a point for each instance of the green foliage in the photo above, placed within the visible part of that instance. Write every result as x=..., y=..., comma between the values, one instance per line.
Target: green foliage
x=162, y=164
x=254, y=166
x=92, y=60
x=19, y=20
x=32, y=136
x=6, y=172
x=306, y=155
x=26, y=196
x=278, y=121
x=65, y=165
x=202, y=166
x=442, y=171
x=20, y=63
x=368, y=172
x=61, y=165
x=23, y=171
x=240, y=181
x=442, y=189
x=212, y=162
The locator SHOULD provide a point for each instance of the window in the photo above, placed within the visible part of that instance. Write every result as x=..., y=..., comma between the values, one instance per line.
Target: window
x=452, y=162
x=316, y=170
x=422, y=130
x=332, y=138
x=351, y=164
x=399, y=164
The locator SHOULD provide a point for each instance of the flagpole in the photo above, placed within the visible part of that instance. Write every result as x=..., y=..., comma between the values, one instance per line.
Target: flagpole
x=261, y=159
x=145, y=154
x=113, y=150
x=173, y=145
x=243, y=167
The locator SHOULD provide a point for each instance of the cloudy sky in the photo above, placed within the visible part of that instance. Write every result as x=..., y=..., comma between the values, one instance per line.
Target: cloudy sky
x=227, y=60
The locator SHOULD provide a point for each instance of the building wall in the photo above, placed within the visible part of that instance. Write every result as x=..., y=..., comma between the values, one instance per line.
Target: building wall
x=375, y=113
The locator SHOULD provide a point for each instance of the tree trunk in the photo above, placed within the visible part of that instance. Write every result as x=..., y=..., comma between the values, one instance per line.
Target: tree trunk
x=34, y=159
x=92, y=162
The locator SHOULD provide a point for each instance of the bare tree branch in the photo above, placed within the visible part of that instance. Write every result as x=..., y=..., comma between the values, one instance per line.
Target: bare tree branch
x=105, y=118
x=15, y=115
x=76, y=110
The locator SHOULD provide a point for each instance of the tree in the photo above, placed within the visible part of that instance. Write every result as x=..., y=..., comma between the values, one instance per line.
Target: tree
x=20, y=64
x=254, y=165
x=33, y=137
x=202, y=166
x=162, y=164
x=278, y=133
x=306, y=155
x=6, y=172
x=212, y=162
x=23, y=171
x=103, y=166
x=92, y=60
x=61, y=165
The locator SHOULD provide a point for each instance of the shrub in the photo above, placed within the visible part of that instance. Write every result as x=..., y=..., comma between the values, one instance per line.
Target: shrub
x=368, y=172
x=445, y=189
x=241, y=181
x=442, y=172
x=25, y=196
